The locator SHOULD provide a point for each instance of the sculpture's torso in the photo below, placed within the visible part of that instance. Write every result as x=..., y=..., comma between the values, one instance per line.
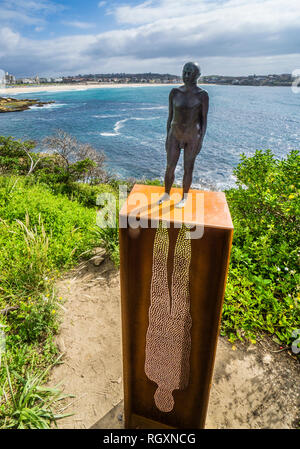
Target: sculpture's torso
x=185, y=125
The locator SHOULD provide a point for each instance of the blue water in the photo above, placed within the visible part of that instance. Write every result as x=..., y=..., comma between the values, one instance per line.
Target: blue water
x=129, y=125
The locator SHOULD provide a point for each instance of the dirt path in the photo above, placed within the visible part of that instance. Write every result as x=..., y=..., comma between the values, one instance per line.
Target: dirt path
x=253, y=386
x=90, y=339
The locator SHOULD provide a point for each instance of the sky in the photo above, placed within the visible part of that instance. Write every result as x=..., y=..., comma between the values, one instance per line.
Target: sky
x=226, y=37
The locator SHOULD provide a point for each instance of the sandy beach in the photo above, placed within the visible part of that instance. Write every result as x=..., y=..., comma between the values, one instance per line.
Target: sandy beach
x=69, y=87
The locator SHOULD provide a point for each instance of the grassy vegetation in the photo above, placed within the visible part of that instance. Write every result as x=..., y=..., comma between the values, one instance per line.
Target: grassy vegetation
x=48, y=222
x=46, y=226
x=41, y=234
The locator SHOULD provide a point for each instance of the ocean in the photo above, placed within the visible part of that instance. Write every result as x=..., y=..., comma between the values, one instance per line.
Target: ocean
x=129, y=125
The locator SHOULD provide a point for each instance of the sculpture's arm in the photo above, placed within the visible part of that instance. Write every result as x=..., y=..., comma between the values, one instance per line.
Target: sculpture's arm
x=170, y=117
x=203, y=114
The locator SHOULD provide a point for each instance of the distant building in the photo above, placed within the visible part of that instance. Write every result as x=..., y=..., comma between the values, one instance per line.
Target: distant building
x=285, y=77
x=10, y=79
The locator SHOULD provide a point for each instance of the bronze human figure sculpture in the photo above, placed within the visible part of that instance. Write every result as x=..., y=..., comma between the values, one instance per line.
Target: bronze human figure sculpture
x=186, y=127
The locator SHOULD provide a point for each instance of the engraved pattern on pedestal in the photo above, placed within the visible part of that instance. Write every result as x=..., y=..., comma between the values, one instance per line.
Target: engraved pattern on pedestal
x=168, y=340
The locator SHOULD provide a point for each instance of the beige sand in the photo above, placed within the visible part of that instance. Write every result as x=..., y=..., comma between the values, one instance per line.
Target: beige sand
x=69, y=87
x=10, y=91
x=254, y=386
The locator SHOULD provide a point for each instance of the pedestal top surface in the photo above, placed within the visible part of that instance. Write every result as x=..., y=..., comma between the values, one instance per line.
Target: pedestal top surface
x=202, y=207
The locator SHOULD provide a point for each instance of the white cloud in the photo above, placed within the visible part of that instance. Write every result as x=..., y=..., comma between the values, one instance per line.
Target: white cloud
x=101, y=4
x=8, y=16
x=26, y=12
x=225, y=36
x=9, y=41
x=234, y=14
x=201, y=29
x=78, y=24
x=32, y=5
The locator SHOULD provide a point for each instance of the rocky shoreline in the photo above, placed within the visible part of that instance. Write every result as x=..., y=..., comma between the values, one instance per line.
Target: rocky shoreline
x=15, y=105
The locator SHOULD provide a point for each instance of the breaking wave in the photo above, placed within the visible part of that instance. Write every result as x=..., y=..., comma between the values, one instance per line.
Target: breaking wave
x=121, y=123
x=48, y=106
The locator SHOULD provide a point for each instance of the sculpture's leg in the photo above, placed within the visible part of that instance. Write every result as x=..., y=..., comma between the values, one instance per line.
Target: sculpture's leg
x=173, y=153
x=163, y=198
x=190, y=152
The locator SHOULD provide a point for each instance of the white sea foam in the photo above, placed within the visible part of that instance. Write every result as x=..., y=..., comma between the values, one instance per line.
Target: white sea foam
x=76, y=90
x=105, y=116
x=152, y=107
x=48, y=106
x=109, y=134
x=52, y=91
x=56, y=91
x=120, y=124
x=42, y=92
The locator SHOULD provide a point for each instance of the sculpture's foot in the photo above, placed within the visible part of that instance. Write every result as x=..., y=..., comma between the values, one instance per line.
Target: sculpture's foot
x=165, y=197
x=181, y=203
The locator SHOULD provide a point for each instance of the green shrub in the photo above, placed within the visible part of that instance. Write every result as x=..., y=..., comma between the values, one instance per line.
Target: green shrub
x=85, y=194
x=68, y=161
x=13, y=159
x=263, y=282
x=65, y=223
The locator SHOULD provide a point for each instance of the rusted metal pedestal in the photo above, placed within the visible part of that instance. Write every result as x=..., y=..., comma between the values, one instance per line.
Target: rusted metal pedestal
x=140, y=219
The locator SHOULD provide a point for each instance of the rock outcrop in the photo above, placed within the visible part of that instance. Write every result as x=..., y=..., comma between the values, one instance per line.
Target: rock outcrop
x=15, y=105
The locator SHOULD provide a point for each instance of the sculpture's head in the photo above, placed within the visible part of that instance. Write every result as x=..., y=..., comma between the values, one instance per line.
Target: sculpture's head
x=190, y=73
